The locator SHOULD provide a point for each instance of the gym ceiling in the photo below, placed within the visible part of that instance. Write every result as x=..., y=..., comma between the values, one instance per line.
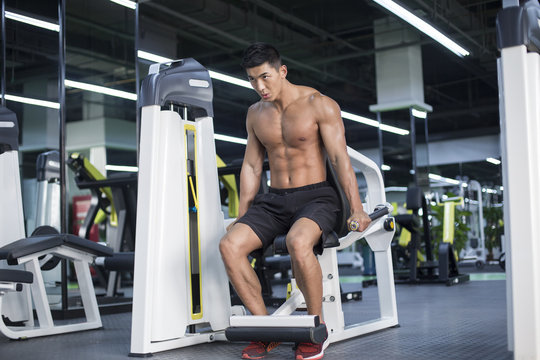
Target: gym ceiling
x=328, y=45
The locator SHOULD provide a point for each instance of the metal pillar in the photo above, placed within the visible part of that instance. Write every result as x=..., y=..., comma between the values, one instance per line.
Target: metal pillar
x=62, y=137
x=3, y=74
x=518, y=38
x=413, y=146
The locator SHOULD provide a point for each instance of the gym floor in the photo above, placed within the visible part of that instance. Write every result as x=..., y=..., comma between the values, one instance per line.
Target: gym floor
x=466, y=321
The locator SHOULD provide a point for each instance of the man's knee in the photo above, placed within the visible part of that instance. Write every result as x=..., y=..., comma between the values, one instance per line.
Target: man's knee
x=236, y=244
x=227, y=247
x=299, y=247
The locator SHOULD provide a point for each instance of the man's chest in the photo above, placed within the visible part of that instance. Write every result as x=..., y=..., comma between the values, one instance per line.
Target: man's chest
x=288, y=129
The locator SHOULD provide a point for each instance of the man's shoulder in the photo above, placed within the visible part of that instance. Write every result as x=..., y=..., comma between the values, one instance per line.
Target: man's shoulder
x=319, y=100
x=313, y=96
x=255, y=106
x=308, y=93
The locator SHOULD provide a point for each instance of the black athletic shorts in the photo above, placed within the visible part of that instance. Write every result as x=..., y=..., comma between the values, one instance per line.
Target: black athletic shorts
x=274, y=213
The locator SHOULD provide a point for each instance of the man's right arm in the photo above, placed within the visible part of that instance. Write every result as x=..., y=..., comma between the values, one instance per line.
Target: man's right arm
x=250, y=175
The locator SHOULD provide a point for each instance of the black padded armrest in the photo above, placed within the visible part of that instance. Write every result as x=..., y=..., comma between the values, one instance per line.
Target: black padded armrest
x=34, y=244
x=410, y=222
x=120, y=262
x=16, y=276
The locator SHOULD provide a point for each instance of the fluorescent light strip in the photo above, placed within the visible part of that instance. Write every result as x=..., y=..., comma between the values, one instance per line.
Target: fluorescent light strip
x=213, y=74
x=121, y=168
x=232, y=139
x=153, y=57
x=423, y=26
x=229, y=79
x=374, y=123
x=31, y=21
x=25, y=100
x=443, y=179
x=236, y=81
x=126, y=3
x=493, y=161
x=419, y=114
x=394, y=129
x=101, y=89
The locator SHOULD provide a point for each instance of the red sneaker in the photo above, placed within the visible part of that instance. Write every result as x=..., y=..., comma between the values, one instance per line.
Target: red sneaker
x=257, y=349
x=309, y=351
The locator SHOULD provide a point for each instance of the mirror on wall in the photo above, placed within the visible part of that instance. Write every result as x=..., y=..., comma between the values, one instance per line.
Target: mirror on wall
x=100, y=100
x=31, y=80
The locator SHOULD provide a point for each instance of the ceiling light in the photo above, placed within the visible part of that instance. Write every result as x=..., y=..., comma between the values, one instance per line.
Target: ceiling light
x=423, y=26
x=153, y=57
x=232, y=139
x=394, y=129
x=493, y=161
x=26, y=100
x=101, y=89
x=126, y=3
x=419, y=113
x=31, y=21
x=374, y=123
x=385, y=167
x=444, y=179
x=121, y=168
x=213, y=74
x=230, y=79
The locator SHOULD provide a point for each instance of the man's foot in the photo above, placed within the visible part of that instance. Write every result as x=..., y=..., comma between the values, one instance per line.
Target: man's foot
x=309, y=351
x=257, y=349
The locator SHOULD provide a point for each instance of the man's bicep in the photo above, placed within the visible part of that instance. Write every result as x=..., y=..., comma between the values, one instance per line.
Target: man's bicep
x=254, y=155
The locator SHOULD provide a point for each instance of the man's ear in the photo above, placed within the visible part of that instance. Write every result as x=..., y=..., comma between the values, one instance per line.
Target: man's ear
x=283, y=71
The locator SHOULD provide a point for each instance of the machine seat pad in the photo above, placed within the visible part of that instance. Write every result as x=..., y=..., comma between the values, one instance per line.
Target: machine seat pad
x=16, y=276
x=314, y=335
x=27, y=246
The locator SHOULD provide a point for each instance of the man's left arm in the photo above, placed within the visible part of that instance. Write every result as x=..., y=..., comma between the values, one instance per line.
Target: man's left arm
x=332, y=132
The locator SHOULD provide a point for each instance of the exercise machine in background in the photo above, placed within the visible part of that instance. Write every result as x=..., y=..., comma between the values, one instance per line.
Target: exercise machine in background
x=20, y=289
x=113, y=199
x=475, y=249
x=411, y=268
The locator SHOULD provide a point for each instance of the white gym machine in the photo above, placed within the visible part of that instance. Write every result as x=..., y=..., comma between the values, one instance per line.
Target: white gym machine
x=180, y=284
x=475, y=250
x=282, y=326
x=181, y=291
x=16, y=306
x=518, y=38
x=20, y=289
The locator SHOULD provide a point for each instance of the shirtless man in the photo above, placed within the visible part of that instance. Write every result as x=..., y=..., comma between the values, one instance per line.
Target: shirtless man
x=295, y=126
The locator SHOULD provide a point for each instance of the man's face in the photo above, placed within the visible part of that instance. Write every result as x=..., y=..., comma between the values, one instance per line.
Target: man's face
x=267, y=80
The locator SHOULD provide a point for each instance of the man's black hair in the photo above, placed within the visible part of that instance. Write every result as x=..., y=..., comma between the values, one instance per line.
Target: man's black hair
x=258, y=53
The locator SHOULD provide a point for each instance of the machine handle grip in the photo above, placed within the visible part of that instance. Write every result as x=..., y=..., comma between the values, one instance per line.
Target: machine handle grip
x=379, y=212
